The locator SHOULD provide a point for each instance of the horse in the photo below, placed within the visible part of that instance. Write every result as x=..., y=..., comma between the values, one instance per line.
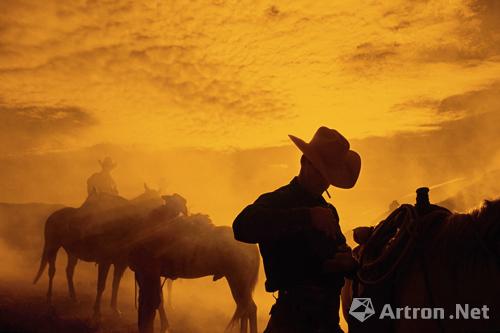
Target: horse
x=438, y=260
x=89, y=233
x=190, y=247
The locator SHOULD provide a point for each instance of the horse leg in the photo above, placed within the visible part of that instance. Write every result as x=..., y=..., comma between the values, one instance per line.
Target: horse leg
x=164, y=325
x=252, y=316
x=170, y=282
x=102, y=274
x=52, y=255
x=246, y=310
x=70, y=270
x=118, y=271
x=148, y=279
x=244, y=324
x=249, y=317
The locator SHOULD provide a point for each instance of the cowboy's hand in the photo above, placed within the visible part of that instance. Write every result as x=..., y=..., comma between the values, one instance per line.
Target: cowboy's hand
x=324, y=220
x=342, y=263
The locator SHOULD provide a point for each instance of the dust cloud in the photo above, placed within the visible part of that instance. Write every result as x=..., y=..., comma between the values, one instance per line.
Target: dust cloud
x=460, y=162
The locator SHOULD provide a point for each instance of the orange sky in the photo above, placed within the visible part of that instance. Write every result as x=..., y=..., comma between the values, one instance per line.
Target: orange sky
x=238, y=74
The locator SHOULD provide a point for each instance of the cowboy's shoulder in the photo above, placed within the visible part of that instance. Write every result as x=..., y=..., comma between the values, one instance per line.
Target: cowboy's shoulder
x=332, y=207
x=277, y=197
x=94, y=176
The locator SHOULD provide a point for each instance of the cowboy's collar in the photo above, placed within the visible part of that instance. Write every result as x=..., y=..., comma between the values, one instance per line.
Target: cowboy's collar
x=303, y=192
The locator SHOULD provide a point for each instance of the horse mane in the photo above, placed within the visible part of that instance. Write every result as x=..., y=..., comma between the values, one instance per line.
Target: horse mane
x=149, y=195
x=201, y=220
x=467, y=239
x=164, y=214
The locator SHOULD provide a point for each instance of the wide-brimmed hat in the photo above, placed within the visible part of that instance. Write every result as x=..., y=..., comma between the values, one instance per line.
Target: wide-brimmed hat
x=107, y=163
x=329, y=151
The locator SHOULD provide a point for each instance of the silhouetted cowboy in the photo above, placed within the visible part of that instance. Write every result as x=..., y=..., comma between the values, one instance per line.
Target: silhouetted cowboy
x=304, y=251
x=102, y=181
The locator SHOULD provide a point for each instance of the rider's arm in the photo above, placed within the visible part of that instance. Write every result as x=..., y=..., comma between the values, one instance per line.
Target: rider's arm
x=265, y=220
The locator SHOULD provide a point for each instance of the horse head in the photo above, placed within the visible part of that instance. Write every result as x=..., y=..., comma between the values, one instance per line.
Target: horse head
x=488, y=218
x=489, y=213
x=176, y=204
x=149, y=193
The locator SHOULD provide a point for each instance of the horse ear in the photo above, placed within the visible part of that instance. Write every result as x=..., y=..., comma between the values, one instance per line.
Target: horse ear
x=180, y=197
x=146, y=187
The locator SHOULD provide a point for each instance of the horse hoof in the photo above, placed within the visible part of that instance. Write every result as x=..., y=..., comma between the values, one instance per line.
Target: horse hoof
x=51, y=311
x=94, y=323
x=96, y=318
x=116, y=312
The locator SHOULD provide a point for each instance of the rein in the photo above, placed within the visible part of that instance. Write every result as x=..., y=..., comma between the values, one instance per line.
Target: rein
x=408, y=222
x=412, y=225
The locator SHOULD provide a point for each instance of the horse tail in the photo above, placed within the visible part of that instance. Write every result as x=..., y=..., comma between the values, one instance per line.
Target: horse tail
x=254, y=276
x=169, y=292
x=43, y=262
x=49, y=227
x=246, y=311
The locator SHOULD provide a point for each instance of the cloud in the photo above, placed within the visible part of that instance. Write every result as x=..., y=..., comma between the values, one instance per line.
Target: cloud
x=466, y=142
x=473, y=102
x=170, y=59
x=417, y=103
x=475, y=35
x=32, y=127
x=202, y=86
x=231, y=74
x=413, y=33
x=375, y=55
x=468, y=103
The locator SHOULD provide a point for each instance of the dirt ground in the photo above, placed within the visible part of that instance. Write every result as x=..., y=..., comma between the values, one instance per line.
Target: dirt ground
x=23, y=308
x=26, y=310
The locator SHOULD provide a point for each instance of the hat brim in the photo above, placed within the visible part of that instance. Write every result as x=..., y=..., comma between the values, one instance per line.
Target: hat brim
x=111, y=165
x=339, y=172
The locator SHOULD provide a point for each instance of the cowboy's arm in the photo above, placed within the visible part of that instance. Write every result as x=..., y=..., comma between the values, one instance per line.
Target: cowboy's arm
x=114, y=188
x=264, y=220
x=343, y=261
x=330, y=251
x=90, y=185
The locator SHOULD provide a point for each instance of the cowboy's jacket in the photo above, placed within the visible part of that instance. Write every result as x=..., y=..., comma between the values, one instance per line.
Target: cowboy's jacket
x=293, y=252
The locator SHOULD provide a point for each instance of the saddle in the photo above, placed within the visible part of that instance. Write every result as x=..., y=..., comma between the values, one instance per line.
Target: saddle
x=385, y=251
x=387, y=246
x=392, y=241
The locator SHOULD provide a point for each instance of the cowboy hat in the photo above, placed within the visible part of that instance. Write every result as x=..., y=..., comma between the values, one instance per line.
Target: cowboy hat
x=107, y=163
x=329, y=152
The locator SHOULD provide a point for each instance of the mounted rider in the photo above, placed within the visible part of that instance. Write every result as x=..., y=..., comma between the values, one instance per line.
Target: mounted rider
x=102, y=181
